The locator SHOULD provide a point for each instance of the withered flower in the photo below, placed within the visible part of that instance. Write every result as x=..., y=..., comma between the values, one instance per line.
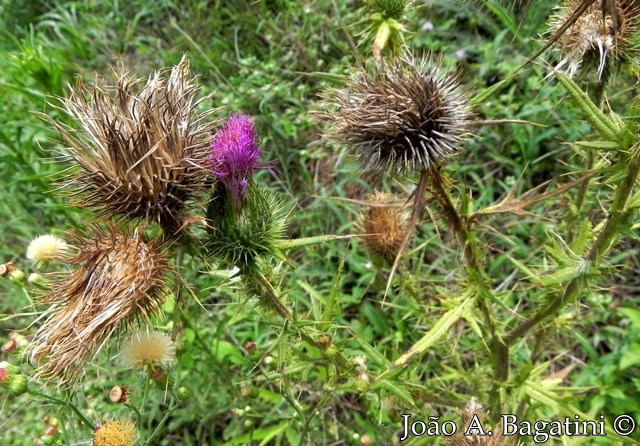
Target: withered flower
x=402, y=116
x=119, y=278
x=142, y=155
x=473, y=416
x=384, y=226
x=600, y=35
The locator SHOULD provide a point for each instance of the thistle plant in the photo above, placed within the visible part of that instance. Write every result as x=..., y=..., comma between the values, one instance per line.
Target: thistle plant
x=242, y=339
x=115, y=433
x=234, y=156
x=403, y=116
x=383, y=226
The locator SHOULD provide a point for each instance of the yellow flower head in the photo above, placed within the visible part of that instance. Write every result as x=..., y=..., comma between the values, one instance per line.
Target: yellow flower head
x=115, y=433
x=148, y=348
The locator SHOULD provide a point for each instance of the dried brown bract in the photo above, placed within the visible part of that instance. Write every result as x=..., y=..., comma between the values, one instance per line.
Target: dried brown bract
x=141, y=155
x=384, y=225
x=119, y=278
x=404, y=116
x=599, y=35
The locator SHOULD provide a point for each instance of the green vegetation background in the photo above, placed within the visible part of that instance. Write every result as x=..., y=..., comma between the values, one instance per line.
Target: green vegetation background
x=270, y=59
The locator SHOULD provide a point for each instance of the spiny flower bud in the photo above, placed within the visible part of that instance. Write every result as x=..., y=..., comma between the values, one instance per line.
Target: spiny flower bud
x=601, y=34
x=115, y=433
x=17, y=276
x=240, y=235
x=12, y=379
x=402, y=117
x=120, y=279
x=235, y=155
x=383, y=225
x=142, y=153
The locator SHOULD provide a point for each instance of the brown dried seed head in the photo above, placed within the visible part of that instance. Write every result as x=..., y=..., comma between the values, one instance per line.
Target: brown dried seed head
x=383, y=225
x=600, y=35
x=471, y=410
x=119, y=394
x=141, y=155
x=403, y=116
x=119, y=279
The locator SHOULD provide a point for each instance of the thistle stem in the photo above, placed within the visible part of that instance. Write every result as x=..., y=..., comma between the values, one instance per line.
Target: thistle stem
x=176, y=309
x=270, y=294
x=597, y=95
x=618, y=215
x=63, y=403
x=476, y=273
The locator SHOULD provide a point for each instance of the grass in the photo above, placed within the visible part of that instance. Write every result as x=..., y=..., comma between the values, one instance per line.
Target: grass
x=352, y=358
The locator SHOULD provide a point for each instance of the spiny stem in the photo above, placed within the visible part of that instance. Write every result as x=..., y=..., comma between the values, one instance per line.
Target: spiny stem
x=63, y=403
x=597, y=95
x=476, y=272
x=617, y=216
x=273, y=299
x=418, y=205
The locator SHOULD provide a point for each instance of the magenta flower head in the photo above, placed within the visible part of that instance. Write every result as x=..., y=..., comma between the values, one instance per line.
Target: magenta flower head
x=235, y=155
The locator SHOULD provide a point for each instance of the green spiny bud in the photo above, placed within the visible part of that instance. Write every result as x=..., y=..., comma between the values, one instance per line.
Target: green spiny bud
x=240, y=235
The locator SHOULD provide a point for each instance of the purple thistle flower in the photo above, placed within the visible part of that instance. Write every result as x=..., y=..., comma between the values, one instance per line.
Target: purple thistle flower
x=235, y=155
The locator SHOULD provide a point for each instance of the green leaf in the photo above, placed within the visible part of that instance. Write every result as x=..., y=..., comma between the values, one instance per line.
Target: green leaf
x=437, y=332
x=224, y=350
x=554, y=401
x=605, y=146
x=504, y=16
x=632, y=314
x=605, y=126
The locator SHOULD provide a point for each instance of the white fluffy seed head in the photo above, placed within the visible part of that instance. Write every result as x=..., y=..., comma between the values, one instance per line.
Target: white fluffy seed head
x=47, y=247
x=147, y=348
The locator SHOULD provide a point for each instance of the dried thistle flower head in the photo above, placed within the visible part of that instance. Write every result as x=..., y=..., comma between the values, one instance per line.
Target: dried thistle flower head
x=142, y=155
x=115, y=433
x=235, y=154
x=473, y=415
x=148, y=348
x=384, y=225
x=119, y=279
x=601, y=33
x=47, y=247
x=403, y=116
